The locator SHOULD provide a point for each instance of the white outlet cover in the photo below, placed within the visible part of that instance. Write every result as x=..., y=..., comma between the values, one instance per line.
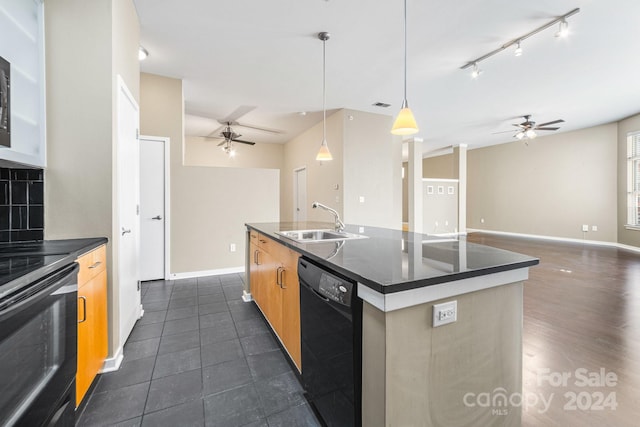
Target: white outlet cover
x=361, y=199
x=444, y=313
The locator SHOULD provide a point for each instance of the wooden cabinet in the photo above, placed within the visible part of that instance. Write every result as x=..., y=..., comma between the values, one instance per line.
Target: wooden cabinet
x=92, y=318
x=273, y=276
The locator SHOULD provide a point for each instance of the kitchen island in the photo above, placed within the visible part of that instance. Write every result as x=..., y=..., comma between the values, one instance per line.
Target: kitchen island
x=466, y=372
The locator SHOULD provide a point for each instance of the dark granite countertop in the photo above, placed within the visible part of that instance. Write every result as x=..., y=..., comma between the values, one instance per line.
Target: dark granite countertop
x=22, y=263
x=390, y=261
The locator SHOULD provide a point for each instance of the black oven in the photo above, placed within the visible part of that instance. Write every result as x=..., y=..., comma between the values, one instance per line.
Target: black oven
x=38, y=347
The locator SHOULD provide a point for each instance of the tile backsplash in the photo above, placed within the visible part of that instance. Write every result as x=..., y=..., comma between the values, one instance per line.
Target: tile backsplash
x=21, y=205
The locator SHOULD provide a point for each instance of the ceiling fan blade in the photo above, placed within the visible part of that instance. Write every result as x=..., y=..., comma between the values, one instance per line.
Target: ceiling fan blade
x=520, y=126
x=550, y=123
x=504, y=131
x=236, y=114
x=243, y=142
x=222, y=143
x=277, y=131
x=545, y=128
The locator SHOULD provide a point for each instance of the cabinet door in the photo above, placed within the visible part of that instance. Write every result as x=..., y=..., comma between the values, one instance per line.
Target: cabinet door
x=291, y=307
x=92, y=332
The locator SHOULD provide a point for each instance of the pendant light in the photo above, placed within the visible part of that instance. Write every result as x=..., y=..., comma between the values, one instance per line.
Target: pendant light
x=324, y=154
x=405, y=123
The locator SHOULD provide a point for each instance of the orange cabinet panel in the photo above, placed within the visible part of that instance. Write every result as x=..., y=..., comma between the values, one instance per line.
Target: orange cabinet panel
x=92, y=319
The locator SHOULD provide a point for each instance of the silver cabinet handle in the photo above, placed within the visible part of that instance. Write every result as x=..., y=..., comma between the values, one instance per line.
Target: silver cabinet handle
x=84, y=311
x=280, y=277
x=95, y=264
x=158, y=217
x=255, y=257
x=125, y=231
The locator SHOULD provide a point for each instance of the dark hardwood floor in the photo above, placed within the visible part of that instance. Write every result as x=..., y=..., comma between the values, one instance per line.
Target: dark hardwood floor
x=581, y=318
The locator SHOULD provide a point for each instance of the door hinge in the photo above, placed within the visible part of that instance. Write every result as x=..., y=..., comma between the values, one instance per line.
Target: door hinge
x=137, y=209
x=137, y=133
x=138, y=284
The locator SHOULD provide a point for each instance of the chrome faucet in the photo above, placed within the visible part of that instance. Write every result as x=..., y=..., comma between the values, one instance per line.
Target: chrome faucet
x=339, y=224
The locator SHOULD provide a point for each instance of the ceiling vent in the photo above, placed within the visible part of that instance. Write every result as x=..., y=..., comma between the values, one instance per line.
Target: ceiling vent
x=382, y=105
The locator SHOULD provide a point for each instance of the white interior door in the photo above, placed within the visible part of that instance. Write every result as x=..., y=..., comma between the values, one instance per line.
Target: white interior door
x=152, y=208
x=300, y=194
x=126, y=235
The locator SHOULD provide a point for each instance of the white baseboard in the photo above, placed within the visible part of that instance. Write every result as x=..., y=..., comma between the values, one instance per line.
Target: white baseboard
x=203, y=273
x=558, y=239
x=246, y=296
x=112, y=364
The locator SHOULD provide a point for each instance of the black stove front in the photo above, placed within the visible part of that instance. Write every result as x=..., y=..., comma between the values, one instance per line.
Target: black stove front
x=38, y=341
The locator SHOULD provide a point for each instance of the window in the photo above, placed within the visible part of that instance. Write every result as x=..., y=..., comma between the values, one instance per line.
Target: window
x=633, y=181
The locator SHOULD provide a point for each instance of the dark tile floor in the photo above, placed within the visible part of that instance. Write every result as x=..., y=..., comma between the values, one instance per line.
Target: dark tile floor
x=199, y=356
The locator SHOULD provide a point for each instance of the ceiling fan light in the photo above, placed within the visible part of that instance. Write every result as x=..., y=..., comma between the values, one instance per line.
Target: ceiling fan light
x=405, y=123
x=531, y=134
x=324, y=154
x=520, y=135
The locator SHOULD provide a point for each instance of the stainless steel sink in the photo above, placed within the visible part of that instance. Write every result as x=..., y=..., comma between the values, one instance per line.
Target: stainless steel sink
x=314, y=236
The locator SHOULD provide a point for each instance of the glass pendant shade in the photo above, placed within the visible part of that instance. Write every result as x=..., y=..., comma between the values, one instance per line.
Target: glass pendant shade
x=405, y=123
x=324, y=154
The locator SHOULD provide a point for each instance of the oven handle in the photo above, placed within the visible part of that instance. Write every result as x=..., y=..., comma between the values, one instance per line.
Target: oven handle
x=41, y=289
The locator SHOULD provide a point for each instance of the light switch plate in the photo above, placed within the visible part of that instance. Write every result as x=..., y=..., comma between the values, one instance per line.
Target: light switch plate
x=444, y=313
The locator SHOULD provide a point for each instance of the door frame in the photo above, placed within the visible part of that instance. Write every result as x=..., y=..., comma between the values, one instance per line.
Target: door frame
x=166, y=142
x=295, y=188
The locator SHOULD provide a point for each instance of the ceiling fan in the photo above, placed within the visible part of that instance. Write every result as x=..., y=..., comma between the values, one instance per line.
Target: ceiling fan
x=227, y=133
x=528, y=128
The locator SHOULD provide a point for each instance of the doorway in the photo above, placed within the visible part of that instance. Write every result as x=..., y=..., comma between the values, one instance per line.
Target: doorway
x=300, y=194
x=154, y=208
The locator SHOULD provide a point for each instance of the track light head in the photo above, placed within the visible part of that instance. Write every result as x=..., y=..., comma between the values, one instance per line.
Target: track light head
x=518, y=51
x=476, y=71
x=563, y=31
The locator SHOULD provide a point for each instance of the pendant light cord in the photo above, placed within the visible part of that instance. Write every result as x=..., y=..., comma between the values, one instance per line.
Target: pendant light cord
x=324, y=91
x=405, y=51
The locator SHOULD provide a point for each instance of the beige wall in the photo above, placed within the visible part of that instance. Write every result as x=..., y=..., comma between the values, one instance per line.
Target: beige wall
x=200, y=151
x=209, y=205
x=439, y=167
x=417, y=375
x=550, y=187
x=84, y=56
x=627, y=237
x=321, y=176
x=366, y=162
x=372, y=169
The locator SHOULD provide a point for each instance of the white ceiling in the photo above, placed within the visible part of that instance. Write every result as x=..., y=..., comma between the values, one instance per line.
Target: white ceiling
x=265, y=54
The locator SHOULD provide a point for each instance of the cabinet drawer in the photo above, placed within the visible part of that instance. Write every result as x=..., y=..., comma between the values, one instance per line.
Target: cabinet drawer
x=265, y=243
x=91, y=264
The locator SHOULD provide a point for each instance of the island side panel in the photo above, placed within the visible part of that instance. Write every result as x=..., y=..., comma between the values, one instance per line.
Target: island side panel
x=443, y=376
x=373, y=365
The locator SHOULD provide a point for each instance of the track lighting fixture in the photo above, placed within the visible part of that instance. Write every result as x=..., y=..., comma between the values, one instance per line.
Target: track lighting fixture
x=518, y=51
x=405, y=123
x=562, y=32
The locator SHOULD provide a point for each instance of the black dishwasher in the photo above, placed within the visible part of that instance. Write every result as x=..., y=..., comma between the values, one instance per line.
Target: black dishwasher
x=331, y=335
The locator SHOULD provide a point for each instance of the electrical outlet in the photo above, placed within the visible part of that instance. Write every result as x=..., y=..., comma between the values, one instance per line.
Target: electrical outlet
x=232, y=247
x=585, y=227
x=444, y=313
x=361, y=199
x=481, y=220
x=361, y=230
x=594, y=228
